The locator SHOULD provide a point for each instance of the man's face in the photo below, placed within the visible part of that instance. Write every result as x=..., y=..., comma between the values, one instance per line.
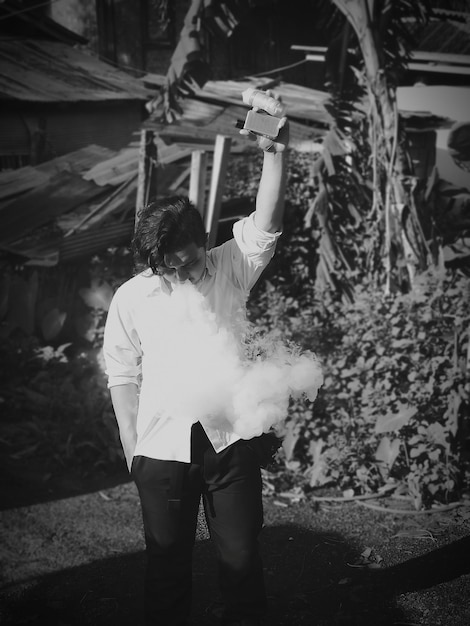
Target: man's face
x=189, y=263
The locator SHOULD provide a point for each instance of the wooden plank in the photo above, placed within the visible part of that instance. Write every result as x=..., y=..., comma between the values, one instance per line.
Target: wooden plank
x=180, y=153
x=231, y=91
x=113, y=201
x=78, y=161
x=300, y=136
x=440, y=67
x=320, y=49
x=125, y=165
x=197, y=181
x=147, y=173
x=179, y=180
x=200, y=111
x=219, y=169
x=63, y=193
x=315, y=57
x=300, y=105
x=115, y=170
x=170, y=174
x=421, y=60
x=118, y=203
x=441, y=57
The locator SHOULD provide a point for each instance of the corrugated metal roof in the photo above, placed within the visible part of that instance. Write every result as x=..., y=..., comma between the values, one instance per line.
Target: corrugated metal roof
x=95, y=240
x=62, y=193
x=15, y=182
x=76, y=203
x=449, y=33
x=445, y=37
x=51, y=71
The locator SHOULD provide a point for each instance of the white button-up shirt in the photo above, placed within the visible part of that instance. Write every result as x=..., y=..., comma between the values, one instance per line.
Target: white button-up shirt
x=232, y=270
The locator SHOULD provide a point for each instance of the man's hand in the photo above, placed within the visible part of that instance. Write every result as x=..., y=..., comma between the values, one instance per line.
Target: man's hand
x=271, y=191
x=280, y=143
x=270, y=144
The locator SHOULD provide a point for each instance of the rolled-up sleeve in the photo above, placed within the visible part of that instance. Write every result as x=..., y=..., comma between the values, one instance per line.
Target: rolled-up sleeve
x=257, y=248
x=121, y=345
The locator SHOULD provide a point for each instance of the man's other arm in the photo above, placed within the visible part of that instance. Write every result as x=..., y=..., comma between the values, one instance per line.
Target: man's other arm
x=125, y=404
x=122, y=354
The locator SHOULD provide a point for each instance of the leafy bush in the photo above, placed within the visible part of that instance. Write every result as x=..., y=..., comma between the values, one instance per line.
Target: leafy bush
x=393, y=410
x=56, y=408
x=395, y=400
x=55, y=403
x=394, y=407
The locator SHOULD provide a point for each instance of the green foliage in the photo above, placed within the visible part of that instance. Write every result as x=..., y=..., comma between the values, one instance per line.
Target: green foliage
x=55, y=402
x=395, y=400
x=56, y=407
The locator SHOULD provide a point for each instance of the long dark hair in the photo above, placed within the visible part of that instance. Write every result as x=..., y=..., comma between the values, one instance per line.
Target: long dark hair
x=164, y=227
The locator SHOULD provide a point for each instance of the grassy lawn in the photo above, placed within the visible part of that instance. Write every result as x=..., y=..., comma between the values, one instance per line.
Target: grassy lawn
x=80, y=560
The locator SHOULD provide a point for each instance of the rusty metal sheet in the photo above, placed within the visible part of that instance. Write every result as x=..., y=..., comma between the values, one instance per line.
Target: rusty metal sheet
x=51, y=71
x=94, y=240
x=15, y=182
x=64, y=192
x=52, y=251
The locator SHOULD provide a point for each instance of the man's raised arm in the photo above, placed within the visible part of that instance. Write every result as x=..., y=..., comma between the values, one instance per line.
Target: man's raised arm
x=270, y=199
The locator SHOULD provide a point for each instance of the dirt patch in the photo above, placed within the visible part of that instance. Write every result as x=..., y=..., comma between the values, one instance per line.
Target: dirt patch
x=77, y=558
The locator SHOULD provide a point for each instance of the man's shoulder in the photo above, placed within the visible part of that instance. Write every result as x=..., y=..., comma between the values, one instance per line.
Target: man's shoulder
x=221, y=257
x=218, y=252
x=139, y=285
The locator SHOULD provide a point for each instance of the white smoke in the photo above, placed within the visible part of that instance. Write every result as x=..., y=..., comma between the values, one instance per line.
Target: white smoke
x=204, y=373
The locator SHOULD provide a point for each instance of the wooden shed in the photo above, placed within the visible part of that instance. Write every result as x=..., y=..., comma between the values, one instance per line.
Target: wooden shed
x=56, y=98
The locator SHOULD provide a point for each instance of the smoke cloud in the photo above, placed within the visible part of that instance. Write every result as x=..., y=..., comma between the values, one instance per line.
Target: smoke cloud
x=202, y=372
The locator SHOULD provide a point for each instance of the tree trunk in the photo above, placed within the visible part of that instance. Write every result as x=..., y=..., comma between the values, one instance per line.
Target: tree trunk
x=389, y=196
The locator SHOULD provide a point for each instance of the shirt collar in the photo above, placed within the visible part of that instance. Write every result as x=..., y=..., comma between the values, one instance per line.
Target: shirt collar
x=210, y=265
x=152, y=284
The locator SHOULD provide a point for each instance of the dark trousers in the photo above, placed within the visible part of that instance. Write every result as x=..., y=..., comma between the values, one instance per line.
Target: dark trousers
x=170, y=492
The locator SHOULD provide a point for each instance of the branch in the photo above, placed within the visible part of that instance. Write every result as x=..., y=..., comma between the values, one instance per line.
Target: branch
x=439, y=509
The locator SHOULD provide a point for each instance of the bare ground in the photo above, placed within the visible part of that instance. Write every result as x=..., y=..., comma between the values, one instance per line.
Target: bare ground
x=72, y=553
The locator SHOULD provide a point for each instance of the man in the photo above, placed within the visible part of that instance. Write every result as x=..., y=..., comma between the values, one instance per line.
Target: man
x=174, y=462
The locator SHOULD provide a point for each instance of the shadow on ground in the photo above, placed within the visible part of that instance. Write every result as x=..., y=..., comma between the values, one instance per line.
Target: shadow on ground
x=32, y=482
x=307, y=576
